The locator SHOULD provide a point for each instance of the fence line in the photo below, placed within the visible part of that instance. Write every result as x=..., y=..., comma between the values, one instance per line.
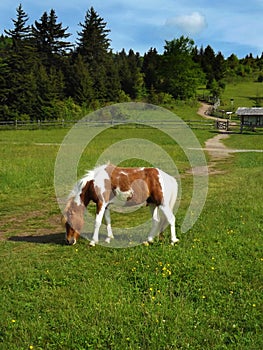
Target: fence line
x=21, y=125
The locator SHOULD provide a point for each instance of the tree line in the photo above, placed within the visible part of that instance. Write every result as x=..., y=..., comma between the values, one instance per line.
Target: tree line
x=43, y=76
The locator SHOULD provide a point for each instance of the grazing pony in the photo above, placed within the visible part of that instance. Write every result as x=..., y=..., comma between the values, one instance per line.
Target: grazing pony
x=108, y=184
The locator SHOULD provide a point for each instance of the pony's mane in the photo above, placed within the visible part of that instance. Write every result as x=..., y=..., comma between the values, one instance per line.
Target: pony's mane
x=89, y=176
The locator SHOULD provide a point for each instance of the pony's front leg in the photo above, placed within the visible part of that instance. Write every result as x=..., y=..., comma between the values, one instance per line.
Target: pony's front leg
x=108, y=223
x=98, y=221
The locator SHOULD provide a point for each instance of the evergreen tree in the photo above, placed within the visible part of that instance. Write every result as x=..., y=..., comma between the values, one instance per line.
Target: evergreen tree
x=21, y=86
x=21, y=83
x=137, y=77
x=94, y=47
x=113, y=85
x=150, y=69
x=124, y=72
x=93, y=42
x=80, y=82
x=207, y=63
x=219, y=66
x=131, y=77
x=232, y=62
x=21, y=31
x=49, y=35
x=213, y=66
x=4, y=73
x=40, y=35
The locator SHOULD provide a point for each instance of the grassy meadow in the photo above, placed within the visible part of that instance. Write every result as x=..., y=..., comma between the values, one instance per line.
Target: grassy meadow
x=204, y=293
x=245, y=93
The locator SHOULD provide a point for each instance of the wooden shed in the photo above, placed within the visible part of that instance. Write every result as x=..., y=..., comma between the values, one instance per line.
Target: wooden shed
x=250, y=117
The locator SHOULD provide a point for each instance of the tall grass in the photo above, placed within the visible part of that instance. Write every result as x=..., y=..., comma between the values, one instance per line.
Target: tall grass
x=204, y=293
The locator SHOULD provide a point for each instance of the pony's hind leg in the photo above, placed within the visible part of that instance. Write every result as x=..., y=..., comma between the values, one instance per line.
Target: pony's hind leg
x=171, y=219
x=108, y=223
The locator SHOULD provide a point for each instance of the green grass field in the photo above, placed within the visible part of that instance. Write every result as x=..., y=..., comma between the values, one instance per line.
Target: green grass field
x=244, y=94
x=204, y=293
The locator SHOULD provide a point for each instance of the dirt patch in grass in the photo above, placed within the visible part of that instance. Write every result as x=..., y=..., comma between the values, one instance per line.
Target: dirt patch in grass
x=35, y=227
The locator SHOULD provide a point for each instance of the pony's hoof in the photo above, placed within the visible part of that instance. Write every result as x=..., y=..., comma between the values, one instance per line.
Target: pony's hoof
x=107, y=240
x=147, y=243
x=175, y=241
x=92, y=243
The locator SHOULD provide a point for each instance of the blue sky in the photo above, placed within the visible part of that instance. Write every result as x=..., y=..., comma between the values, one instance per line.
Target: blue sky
x=228, y=26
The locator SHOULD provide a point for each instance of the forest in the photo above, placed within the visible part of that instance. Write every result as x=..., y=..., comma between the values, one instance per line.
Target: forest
x=44, y=76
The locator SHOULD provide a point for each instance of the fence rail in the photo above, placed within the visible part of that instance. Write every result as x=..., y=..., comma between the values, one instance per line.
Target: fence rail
x=20, y=125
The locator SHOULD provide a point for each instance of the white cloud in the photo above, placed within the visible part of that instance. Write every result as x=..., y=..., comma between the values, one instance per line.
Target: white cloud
x=190, y=24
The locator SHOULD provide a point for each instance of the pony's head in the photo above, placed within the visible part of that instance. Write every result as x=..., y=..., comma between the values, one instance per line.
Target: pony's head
x=73, y=221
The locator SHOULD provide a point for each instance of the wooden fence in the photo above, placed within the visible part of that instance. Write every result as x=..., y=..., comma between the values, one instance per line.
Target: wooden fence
x=193, y=124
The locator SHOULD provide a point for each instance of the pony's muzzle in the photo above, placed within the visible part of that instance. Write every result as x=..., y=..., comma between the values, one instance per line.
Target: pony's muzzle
x=71, y=241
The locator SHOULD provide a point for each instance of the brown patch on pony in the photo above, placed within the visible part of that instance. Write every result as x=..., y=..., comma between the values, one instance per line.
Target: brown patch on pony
x=143, y=182
x=90, y=192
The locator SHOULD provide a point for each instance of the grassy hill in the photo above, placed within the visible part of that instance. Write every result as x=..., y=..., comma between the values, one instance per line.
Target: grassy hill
x=244, y=93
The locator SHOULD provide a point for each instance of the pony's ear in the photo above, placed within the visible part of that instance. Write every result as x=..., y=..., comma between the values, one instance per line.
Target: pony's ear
x=63, y=220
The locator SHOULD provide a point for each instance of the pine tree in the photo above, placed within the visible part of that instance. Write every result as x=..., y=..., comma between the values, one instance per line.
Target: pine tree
x=124, y=72
x=131, y=77
x=150, y=69
x=21, y=57
x=49, y=35
x=40, y=34
x=94, y=47
x=21, y=31
x=93, y=42
x=81, y=84
x=4, y=73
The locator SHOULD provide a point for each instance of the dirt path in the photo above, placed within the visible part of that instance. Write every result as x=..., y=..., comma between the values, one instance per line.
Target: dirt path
x=215, y=148
x=203, y=109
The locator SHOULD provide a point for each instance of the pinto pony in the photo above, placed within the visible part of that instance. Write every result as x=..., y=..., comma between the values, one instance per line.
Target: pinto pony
x=108, y=184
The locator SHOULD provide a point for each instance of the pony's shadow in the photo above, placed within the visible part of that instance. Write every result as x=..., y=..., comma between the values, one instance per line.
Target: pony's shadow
x=52, y=238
